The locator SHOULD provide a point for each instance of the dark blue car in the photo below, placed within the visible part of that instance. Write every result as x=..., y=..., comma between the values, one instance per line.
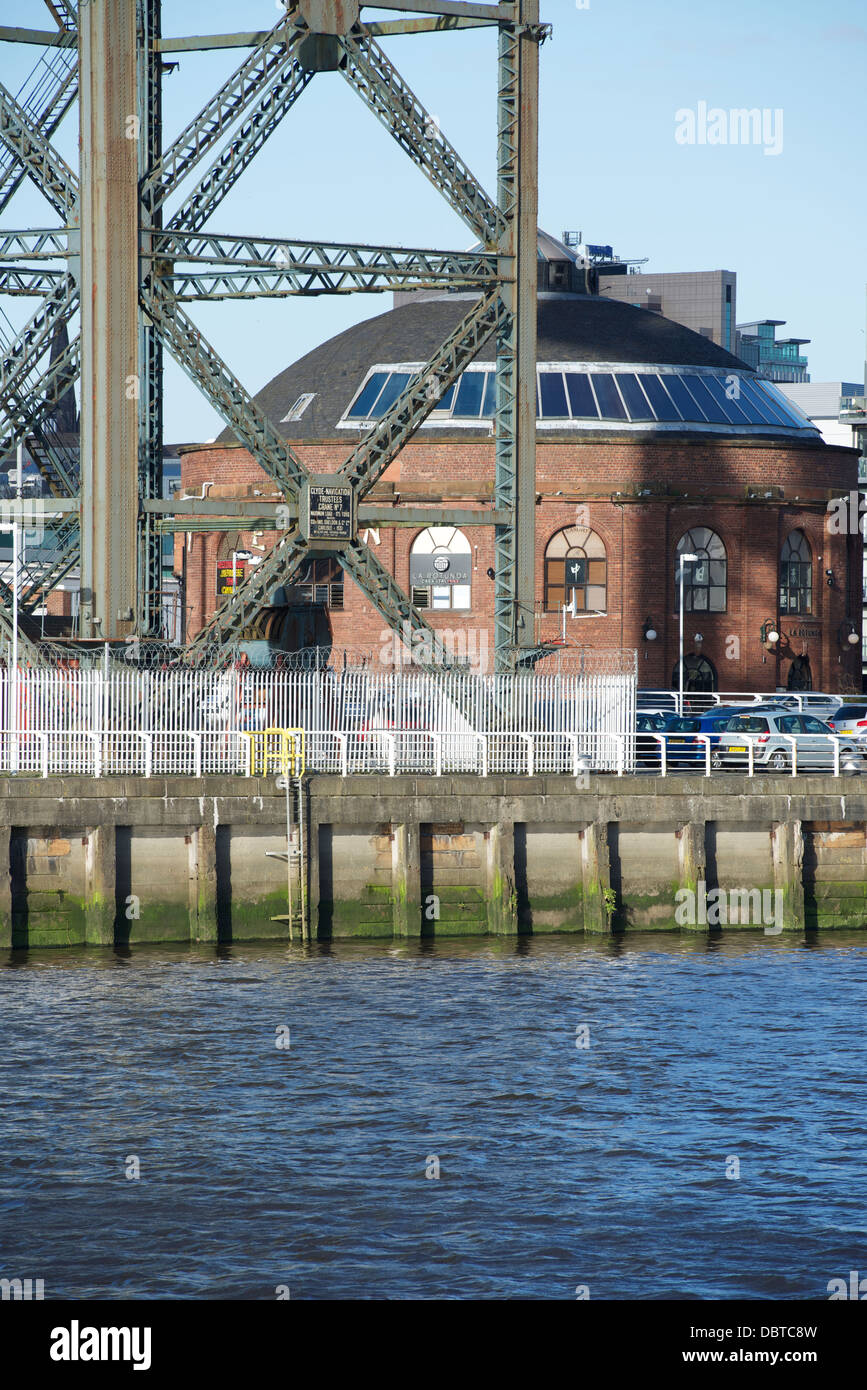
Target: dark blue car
x=684, y=745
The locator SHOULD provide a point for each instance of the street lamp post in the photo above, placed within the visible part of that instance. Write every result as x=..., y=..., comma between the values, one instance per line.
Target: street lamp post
x=684, y=559
x=236, y=556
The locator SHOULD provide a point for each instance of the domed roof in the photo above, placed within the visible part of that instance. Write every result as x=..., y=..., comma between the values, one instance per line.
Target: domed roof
x=319, y=390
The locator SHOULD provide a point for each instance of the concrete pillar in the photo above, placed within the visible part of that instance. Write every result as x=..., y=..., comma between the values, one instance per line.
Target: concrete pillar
x=100, y=869
x=406, y=901
x=501, y=897
x=596, y=876
x=692, y=864
x=787, y=848
x=5, y=887
x=203, y=921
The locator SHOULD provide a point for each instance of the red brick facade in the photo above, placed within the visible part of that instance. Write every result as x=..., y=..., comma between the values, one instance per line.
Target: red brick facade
x=640, y=495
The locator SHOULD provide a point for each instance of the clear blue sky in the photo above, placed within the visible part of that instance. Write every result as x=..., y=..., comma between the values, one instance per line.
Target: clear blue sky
x=792, y=226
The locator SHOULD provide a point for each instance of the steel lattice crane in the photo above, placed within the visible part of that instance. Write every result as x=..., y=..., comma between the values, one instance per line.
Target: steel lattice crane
x=135, y=243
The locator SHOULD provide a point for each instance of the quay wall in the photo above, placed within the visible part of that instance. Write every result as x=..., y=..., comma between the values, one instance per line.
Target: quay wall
x=126, y=860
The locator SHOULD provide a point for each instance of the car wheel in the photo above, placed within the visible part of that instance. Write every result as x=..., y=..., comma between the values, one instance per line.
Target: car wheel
x=778, y=761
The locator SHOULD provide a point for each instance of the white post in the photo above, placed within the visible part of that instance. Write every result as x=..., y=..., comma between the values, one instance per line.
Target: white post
x=680, y=662
x=683, y=559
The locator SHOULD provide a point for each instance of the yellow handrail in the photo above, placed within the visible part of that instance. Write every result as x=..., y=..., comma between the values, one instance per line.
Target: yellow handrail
x=288, y=756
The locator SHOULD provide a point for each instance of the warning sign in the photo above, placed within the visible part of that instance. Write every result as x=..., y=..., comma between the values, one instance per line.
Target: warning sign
x=229, y=577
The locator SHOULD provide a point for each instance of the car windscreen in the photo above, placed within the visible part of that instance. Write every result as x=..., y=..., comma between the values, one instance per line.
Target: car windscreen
x=748, y=724
x=677, y=725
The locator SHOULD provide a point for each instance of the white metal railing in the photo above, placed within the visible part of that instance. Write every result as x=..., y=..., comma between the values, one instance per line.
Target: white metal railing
x=698, y=700
x=429, y=752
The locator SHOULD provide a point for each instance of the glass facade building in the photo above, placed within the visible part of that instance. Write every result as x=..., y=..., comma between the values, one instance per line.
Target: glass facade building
x=775, y=359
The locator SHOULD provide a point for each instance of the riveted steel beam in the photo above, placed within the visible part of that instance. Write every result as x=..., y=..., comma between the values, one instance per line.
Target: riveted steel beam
x=45, y=105
x=22, y=357
x=207, y=369
x=150, y=442
x=494, y=13
x=46, y=243
x=26, y=411
x=278, y=98
x=380, y=447
x=209, y=266
x=271, y=62
x=389, y=97
x=29, y=144
x=110, y=366
x=515, y=413
x=22, y=279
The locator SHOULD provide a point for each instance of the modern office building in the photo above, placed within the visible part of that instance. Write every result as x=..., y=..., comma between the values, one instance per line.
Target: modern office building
x=703, y=300
x=773, y=358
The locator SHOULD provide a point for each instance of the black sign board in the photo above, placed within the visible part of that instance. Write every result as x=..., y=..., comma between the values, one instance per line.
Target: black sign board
x=329, y=512
x=227, y=574
x=576, y=572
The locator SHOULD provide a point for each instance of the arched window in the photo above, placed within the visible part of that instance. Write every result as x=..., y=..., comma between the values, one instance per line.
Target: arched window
x=575, y=562
x=704, y=579
x=440, y=569
x=796, y=574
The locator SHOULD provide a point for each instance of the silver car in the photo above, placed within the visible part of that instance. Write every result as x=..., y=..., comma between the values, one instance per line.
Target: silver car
x=777, y=736
x=820, y=706
x=851, y=721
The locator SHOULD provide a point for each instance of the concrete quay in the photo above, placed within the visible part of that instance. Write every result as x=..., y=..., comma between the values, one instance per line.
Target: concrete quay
x=126, y=860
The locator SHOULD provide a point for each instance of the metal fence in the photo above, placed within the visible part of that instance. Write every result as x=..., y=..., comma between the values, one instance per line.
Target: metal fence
x=194, y=722
x=699, y=701
x=427, y=752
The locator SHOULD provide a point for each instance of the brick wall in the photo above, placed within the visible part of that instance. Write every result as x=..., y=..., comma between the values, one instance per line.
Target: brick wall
x=640, y=496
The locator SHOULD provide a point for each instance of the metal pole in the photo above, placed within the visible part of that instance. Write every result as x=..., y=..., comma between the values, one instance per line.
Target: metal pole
x=302, y=871
x=680, y=663
x=684, y=559
x=288, y=850
x=13, y=684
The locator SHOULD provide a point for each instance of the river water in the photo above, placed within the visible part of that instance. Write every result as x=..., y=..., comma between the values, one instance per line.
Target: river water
x=708, y=1141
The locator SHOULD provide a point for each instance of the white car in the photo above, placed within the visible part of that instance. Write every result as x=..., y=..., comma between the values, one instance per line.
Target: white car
x=777, y=736
x=810, y=702
x=850, y=720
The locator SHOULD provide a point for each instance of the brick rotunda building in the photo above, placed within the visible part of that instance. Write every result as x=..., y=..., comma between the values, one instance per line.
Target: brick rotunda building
x=652, y=442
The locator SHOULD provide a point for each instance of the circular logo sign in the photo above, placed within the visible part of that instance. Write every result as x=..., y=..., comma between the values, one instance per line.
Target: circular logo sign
x=441, y=563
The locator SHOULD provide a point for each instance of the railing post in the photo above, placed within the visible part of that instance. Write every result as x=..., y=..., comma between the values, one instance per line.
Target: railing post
x=483, y=739
x=343, y=742
x=438, y=754
x=705, y=738
x=392, y=754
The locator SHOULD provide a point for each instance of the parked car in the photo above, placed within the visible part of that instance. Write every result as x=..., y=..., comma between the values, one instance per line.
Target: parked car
x=810, y=702
x=648, y=751
x=685, y=743
x=771, y=733
x=850, y=720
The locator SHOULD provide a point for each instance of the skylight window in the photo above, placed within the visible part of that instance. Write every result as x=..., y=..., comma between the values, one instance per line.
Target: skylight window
x=297, y=410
